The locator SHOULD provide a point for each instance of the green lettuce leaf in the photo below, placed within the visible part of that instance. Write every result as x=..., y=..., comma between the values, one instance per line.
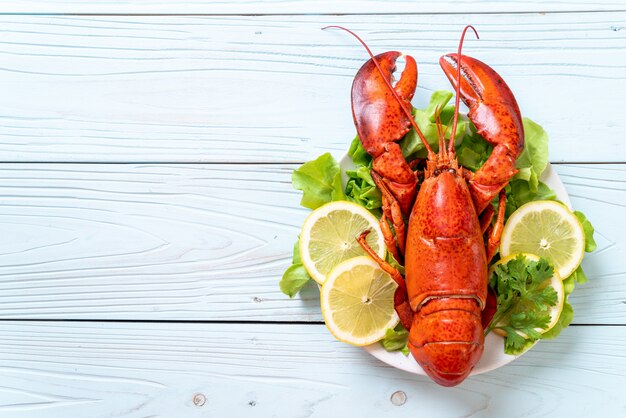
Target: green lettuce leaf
x=319, y=180
x=534, y=158
x=294, y=279
x=296, y=276
x=361, y=192
x=412, y=145
x=360, y=187
x=473, y=151
x=396, y=339
x=590, y=243
x=567, y=315
x=519, y=192
x=578, y=276
x=357, y=153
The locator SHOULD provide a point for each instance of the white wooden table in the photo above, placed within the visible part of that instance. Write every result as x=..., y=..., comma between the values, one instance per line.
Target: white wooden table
x=147, y=213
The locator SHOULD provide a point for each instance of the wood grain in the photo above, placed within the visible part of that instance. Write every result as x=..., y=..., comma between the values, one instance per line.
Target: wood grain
x=99, y=370
x=150, y=239
x=209, y=242
x=299, y=6
x=276, y=88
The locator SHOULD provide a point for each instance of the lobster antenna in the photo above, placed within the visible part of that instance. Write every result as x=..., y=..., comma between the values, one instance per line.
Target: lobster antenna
x=393, y=91
x=458, y=87
x=440, y=133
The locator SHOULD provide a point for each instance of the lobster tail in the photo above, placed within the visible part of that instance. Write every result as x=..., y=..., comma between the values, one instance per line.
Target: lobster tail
x=447, y=338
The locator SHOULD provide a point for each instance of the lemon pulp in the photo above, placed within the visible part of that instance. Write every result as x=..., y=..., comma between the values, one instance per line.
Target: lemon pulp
x=357, y=302
x=329, y=235
x=548, y=229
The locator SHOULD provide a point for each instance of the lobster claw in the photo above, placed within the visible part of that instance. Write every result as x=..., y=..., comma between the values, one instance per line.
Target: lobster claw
x=495, y=113
x=380, y=121
x=377, y=114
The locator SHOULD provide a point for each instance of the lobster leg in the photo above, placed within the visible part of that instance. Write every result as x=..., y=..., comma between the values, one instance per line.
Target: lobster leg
x=495, y=113
x=393, y=212
x=390, y=239
x=485, y=218
x=399, y=179
x=401, y=300
x=494, y=233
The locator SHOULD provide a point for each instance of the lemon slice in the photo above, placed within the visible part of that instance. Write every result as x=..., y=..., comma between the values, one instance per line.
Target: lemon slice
x=557, y=284
x=548, y=229
x=329, y=234
x=357, y=302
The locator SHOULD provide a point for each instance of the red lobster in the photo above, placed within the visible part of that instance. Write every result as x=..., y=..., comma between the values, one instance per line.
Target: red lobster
x=450, y=237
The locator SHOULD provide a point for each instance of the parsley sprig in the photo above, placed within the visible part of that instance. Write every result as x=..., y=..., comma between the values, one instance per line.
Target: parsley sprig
x=524, y=301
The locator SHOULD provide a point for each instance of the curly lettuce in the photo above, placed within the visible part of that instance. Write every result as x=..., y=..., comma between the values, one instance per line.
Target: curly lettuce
x=360, y=187
x=319, y=180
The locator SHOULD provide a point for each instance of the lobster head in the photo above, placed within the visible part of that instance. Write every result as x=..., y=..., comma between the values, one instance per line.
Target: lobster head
x=378, y=117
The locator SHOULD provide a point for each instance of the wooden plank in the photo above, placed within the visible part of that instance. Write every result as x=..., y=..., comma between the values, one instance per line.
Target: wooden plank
x=147, y=241
x=308, y=6
x=209, y=242
x=139, y=370
x=276, y=88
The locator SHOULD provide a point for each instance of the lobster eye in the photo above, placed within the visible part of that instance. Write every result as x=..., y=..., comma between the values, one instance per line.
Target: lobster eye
x=437, y=172
x=452, y=170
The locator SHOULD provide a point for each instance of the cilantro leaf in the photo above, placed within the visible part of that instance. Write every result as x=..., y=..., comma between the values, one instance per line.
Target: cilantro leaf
x=513, y=342
x=527, y=323
x=524, y=300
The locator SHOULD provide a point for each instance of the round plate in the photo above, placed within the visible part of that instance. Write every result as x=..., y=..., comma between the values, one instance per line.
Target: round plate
x=493, y=356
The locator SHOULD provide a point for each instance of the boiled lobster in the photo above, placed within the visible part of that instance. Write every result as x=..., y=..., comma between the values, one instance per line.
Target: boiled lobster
x=451, y=233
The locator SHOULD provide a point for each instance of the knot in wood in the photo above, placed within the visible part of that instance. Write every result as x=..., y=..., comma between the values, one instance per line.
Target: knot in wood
x=398, y=398
x=199, y=399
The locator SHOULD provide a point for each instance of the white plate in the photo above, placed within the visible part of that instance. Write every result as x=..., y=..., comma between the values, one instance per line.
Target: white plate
x=493, y=356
